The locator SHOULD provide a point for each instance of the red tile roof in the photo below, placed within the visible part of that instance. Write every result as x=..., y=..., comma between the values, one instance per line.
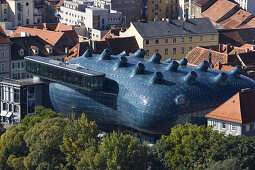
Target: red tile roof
x=238, y=109
x=3, y=36
x=51, y=33
x=219, y=9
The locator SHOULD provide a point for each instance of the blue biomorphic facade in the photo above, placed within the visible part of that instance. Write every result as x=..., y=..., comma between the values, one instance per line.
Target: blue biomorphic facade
x=146, y=94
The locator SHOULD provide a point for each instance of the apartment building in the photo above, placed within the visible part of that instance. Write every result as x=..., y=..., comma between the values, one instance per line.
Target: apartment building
x=3, y=10
x=173, y=39
x=5, y=54
x=21, y=12
x=74, y=13
x=150, y=10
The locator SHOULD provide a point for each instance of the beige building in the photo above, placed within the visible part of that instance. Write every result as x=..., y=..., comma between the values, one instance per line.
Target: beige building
x=173, y=39
x=21, y=12
x=150, y=10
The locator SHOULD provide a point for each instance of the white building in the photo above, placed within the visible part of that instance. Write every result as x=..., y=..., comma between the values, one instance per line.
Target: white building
x=248, y=5
x=75, y=13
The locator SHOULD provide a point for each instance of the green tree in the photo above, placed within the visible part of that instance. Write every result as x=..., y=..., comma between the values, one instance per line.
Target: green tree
x=227, y=164
x=2, y=129
x=241, y=147
x=80, y=141
x=119, y=151
x=41, y=113
x=44, y=140
x=13, y=148
x=191, y=145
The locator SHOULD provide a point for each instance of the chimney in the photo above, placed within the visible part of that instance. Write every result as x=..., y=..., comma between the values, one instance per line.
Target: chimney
x=67, y=50
x=228, y=48
x=220, y=65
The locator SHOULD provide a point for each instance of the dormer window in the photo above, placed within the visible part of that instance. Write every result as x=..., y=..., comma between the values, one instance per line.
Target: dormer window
x=49, y=49
x=21, y=52
x=35, y=50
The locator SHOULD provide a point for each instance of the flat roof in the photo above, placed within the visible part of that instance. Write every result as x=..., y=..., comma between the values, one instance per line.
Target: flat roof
x=21, y=82
x=59, y=64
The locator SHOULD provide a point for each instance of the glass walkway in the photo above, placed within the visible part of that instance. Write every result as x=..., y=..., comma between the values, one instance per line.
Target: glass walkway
x=58, y=71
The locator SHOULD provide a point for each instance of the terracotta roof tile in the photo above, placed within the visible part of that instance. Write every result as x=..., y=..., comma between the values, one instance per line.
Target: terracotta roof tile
x=239, y=108
x=3, y=36
x=199, y=54
x=219, y=9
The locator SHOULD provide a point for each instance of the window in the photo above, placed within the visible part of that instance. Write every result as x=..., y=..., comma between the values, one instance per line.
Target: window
x=156, y=7
x=233, y=127
x=21, y=52
x=174, y=50
x=212, y=37
x=5, y=106
x=3, y=66
x=5, y=11
x=156, y=50
x=182, y=50
x=174, y=40
x=24, y=75
x=10, y=107
x=201, y=38
x=16, y=109
x=2, y=54
x=147, y=42
x=27, y=4
x=156, y=41
x=27, y=21
x=214, y=123
x=190, y=48
x=147, y=52
x=247, y=128
x=223, y=125
x=166, y=41
x=16, y=95
x=182, y=39
x=190, y=39
x=166, y=51
x=19, y=17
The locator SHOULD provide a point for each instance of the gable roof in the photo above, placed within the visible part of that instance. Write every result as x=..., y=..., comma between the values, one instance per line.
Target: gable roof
x=27, y=42
x=3, y=36
x=51, y=33
x=174, y=27
x=238, y=109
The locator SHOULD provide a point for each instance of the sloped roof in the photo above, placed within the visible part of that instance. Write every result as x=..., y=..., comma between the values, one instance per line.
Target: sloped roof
x=27, y=42
x=238, y=19
x=120, y=44
x=219, y=9
x=51, y=33
x=175, y=27
x=201, y=2
x=238, y=109
x=198, y=54
x=3, y=36
x=78, y=50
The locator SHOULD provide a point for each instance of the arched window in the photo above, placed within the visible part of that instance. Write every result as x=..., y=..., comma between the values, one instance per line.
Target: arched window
x=156, y=7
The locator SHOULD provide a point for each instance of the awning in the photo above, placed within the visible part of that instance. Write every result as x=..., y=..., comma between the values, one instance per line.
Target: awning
x=9, y=114
x=3, y=113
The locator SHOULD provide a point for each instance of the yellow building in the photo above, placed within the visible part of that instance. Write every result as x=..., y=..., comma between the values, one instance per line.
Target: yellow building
x=156, y=9
x=173, y=39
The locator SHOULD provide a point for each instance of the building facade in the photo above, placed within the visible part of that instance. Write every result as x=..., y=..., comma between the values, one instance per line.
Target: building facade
x=91, y=17
x=3, y=11
x=158, y=9
x=5, y=54
x=21, y=12
x=173, y=39
x=18, y=98
x=248, y=5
